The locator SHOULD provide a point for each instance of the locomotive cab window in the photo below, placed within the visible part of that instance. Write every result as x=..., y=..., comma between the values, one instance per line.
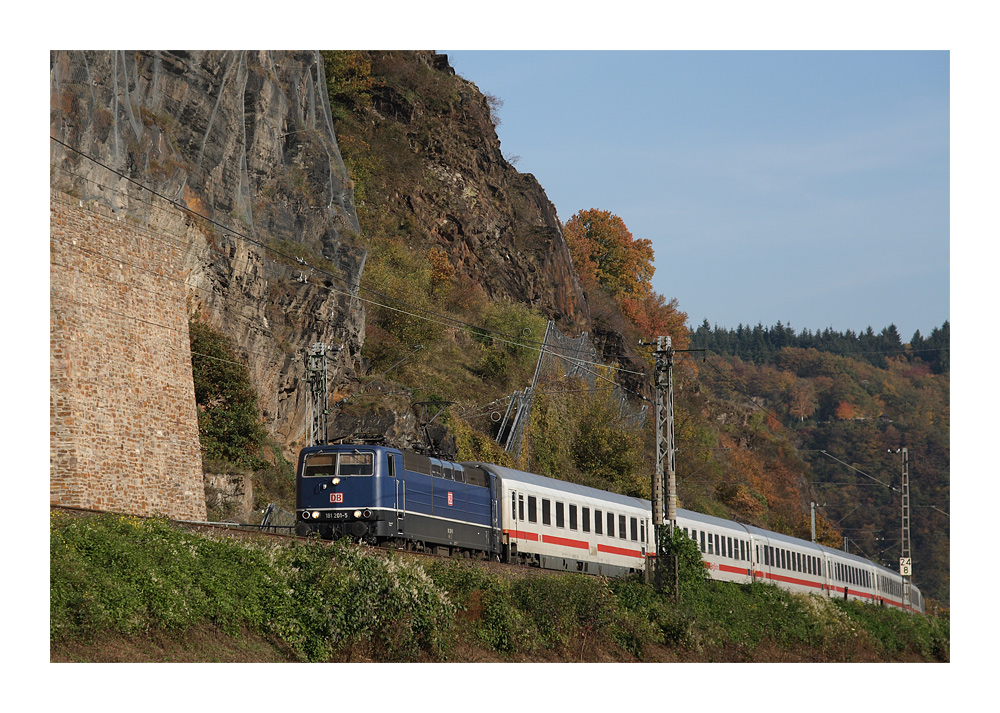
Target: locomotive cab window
x=330, y=464
x=320, y=465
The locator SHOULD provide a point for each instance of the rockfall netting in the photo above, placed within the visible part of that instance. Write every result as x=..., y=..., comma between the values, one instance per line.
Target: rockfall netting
x=560, y=360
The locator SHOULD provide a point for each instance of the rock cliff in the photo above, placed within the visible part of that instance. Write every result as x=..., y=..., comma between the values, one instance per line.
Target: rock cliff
x=451, y=187
x=226, y=153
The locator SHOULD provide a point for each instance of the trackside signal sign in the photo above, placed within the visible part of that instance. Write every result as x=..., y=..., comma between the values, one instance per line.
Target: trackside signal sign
x=905, y=566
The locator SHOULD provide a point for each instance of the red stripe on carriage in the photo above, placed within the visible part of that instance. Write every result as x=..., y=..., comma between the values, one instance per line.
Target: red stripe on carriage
x=523, y=535
x=618, y=551
x=565, y=542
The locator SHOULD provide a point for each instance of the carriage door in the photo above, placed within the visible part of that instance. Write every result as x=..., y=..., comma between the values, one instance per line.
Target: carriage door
x=511, y=544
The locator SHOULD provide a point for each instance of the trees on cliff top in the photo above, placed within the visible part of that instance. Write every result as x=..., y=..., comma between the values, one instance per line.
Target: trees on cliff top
x=609, y=258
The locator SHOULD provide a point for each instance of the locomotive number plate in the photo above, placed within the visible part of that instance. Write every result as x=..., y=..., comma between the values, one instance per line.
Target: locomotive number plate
x=336, y=497
x=338, y=516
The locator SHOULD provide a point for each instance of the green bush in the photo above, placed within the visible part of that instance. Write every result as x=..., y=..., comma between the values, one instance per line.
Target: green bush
x=229, y=421
x=126, y=575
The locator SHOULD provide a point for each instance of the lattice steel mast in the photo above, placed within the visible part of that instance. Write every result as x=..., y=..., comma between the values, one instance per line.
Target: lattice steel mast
x=905, y=556
x=318, y=406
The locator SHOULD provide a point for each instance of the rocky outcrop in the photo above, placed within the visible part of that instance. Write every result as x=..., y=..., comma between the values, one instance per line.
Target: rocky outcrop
x=226, y=153
x=456, y=191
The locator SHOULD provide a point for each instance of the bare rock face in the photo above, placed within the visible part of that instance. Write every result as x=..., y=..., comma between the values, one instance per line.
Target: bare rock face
x=226, y=153
x=454, y=189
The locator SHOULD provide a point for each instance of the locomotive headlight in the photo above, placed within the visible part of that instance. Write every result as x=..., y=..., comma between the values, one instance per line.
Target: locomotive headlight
x=305, y=516
x=357, y=513
x=315, y=514
x=335, y=481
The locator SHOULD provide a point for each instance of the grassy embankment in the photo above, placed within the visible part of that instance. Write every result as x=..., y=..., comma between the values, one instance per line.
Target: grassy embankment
x=126, y=589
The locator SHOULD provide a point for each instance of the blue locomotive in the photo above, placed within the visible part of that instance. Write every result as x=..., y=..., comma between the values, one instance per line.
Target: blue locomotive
x=386, y=496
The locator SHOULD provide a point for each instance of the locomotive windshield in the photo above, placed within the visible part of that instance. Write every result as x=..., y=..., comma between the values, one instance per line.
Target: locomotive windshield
x=331, y=464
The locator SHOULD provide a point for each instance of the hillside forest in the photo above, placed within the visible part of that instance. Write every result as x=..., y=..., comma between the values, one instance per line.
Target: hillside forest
x=767, y=419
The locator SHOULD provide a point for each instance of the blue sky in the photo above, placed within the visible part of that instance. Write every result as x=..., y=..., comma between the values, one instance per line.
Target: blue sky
x=806, y=187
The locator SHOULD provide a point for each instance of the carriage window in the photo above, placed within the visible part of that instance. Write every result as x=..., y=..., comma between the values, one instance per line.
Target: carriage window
x=513, y=506
x=621, y=527
x=634, y=528
x=586, y=519
x=611, y=524
x=702, y=542
x=743, y=550
x=642, y=531
x=520, y=507
x=598, y=523
x=572, y=517
x=560, y=514
x=729, y=546
x=532, y=508
x=718, y=549
x=546, y=512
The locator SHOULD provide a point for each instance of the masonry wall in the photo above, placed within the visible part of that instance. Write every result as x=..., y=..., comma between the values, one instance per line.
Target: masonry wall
x=123, y=420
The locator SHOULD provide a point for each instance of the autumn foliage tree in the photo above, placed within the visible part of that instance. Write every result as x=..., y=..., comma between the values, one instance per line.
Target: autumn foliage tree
x=608, y=257
x=606, y=254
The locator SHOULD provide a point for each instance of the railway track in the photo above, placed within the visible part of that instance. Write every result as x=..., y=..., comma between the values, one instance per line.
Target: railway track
x=245, y=530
